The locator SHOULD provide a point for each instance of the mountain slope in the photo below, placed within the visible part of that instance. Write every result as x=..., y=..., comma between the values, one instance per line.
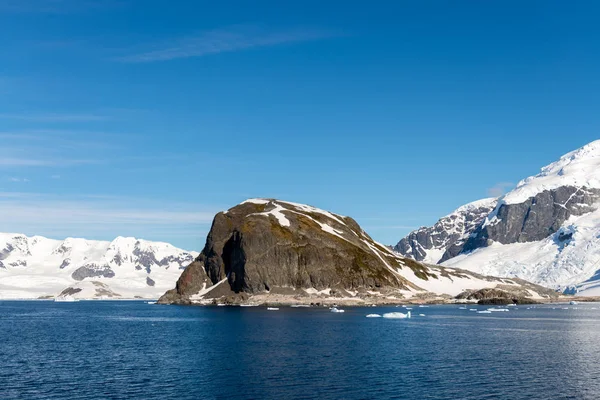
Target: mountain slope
x=33, y=267
x=447, y=237
x=267, y=247
x=545, y=230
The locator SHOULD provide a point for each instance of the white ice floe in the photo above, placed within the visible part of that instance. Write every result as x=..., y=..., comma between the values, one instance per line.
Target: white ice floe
x=373, y=316
x=396, y=315
x=272, y=309
x=65, y=299
x=336, y=310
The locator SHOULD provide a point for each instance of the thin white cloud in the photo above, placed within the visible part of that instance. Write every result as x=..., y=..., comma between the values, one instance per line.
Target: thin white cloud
x=56, y=6
x=226, y=40
x=9, y=162
x=499, y=189
x=55, y=117
x=107, y=216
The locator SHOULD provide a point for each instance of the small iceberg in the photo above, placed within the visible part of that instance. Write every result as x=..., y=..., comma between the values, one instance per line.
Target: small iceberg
x=423, y=306
x=299, y=305
x=484, y=312
x=150, y=302
x=462, y=308
x=396, y=315
x=573, y=303
x=272, y=309
x=221, y=305
x=421, y=315
x=248, y=305
x=336, y=310
x=497, y=309
x=472, y=309
x=373, y=316
x=65, y=299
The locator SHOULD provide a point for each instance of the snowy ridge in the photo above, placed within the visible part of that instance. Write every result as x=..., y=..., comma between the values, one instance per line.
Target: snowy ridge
x=33, y=267
x=430, y=244
x=579, y=168
x=546, y=230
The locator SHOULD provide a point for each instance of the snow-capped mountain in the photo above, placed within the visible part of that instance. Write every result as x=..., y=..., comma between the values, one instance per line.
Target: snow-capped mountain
x=546, y=230
x=445, y=239
x=33, y=267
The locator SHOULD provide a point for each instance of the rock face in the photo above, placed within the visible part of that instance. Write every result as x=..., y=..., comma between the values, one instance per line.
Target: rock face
x=33, y=267
x=545, y=230
x=273, y=246
x=448, y=236
x=534, y=219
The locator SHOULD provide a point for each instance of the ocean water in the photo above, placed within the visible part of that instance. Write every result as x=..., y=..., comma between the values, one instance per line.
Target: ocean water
x=133, y=350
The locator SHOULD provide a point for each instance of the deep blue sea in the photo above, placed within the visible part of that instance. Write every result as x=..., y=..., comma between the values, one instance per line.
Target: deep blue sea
x=133, y=350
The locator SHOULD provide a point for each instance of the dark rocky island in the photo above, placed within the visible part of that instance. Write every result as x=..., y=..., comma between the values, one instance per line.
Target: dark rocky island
x=271, y=251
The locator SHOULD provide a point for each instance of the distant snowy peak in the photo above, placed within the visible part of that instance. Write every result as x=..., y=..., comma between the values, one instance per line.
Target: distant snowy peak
x=37, y=266
x=579, y=168
x=446, y=238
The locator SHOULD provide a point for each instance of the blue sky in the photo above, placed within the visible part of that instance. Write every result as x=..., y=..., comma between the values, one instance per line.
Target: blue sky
x=144, y=118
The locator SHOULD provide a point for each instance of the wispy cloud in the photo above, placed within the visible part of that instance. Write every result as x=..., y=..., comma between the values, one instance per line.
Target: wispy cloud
x=56, y=6
x=101, y=216
x=223, y=41
x=16, y=179
x=52, y=117
x=42, y=162
x=499, y=189
x=56, y=148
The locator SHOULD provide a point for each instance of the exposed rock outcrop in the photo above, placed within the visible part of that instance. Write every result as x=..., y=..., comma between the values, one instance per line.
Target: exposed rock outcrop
x=534, y=219
x=447, y=237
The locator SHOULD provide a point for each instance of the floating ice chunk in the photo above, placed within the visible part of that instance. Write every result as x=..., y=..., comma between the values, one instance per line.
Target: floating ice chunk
x=272, y=309
x=421, y=315
x=497, y=309
x=484, y=312
x=336, y=310
x=396, y=315
x=373, y=316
